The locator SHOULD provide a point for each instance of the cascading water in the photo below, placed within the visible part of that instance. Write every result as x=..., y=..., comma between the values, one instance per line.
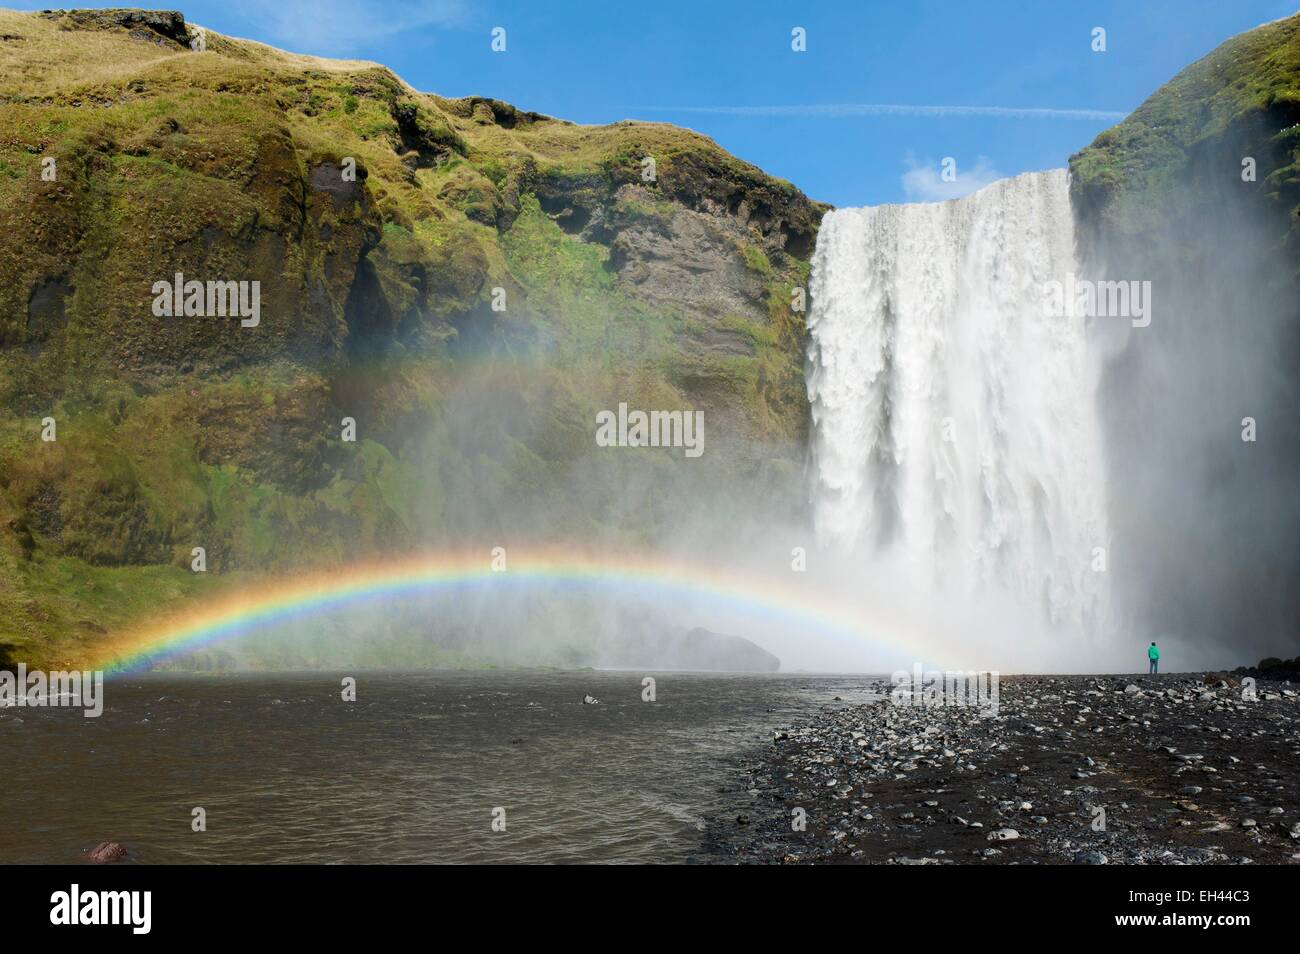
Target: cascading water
x=956, y=443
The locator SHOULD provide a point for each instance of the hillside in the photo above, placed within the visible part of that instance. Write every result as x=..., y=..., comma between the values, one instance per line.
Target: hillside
x=1197, y=193
x=1184, y=147
x=127, y=156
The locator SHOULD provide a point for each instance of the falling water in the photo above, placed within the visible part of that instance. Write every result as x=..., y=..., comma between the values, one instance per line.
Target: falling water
x=956, y=438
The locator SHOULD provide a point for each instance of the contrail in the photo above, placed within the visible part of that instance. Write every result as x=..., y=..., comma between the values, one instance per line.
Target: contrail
x=847, y=110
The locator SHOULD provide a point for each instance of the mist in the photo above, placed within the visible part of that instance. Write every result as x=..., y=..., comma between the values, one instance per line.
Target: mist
x=1204, y=520
x=1120, y=435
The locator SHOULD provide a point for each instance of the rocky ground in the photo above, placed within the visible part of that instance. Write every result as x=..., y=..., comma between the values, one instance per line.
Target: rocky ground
x=1171, y=769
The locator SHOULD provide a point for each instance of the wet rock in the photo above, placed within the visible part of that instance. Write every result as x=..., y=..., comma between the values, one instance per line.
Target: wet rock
x=928, y=771
x=107, y=852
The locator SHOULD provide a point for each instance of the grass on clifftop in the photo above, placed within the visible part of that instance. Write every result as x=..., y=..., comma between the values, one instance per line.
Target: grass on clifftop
x=1245, y=93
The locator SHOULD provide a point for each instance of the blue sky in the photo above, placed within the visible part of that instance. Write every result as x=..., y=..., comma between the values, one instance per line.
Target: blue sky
x=727, y=70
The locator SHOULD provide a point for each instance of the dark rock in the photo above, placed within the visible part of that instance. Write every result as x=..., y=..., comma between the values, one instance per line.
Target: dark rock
x=106, y=852
x=157, y=25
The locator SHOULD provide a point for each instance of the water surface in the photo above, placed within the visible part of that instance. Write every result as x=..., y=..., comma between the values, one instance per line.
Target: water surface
x=410, y=772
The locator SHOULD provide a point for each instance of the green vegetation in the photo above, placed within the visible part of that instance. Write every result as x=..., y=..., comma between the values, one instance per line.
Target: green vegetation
x=377, y=298
x=1190, y=138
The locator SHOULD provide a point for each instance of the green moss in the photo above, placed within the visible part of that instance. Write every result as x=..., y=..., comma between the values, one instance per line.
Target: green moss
x=1238, y=101
x=59, y=610
x=570, y=284
x=177, y=433
x=658, y=212
x=756, y=260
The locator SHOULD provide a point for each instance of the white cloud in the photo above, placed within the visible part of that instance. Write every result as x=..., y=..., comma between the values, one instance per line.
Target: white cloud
x=924, y=182
x=344, y=26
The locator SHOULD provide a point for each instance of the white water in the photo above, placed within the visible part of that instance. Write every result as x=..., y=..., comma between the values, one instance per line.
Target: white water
x=956, y=450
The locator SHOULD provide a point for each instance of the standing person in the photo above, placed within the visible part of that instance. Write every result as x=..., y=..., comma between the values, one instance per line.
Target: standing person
x=1153, y=654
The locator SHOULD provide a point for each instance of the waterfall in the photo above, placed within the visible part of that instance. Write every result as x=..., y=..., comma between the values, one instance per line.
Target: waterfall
x=956, y=441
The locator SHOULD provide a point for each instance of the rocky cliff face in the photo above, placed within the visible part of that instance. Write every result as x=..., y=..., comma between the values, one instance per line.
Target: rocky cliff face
x=466, y=281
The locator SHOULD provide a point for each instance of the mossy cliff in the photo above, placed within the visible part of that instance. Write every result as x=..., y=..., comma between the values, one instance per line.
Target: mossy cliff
x=634, y=262
x=1198, y=194
x=1182, y=151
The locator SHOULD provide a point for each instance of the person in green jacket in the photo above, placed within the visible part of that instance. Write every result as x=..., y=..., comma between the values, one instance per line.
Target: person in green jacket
x=1153, y=654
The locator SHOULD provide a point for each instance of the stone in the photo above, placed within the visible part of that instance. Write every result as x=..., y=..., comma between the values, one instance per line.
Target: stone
x=107, y=852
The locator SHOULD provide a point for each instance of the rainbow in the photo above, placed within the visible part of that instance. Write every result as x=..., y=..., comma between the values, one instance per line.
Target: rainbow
x=794, y=600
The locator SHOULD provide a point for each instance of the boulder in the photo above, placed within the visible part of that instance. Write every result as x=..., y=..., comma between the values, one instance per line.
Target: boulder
x=107, y=852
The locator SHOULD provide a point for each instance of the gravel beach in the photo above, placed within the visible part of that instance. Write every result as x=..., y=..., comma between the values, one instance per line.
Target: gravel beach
x=1170, y=769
